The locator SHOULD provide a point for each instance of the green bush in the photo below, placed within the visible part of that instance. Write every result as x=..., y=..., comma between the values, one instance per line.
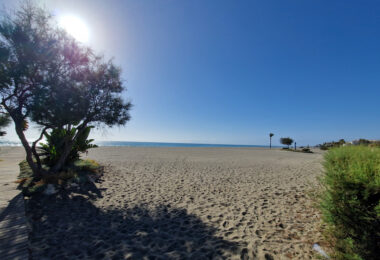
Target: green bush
x=53, y=149
x=328, y=145
x=323, y=147
x=362, y=141
x=350, y=201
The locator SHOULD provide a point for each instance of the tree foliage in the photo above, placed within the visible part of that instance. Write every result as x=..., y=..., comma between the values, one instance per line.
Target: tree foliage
x=50, y=79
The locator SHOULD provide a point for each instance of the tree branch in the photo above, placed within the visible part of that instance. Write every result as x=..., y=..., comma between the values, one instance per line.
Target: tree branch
x=34, y=147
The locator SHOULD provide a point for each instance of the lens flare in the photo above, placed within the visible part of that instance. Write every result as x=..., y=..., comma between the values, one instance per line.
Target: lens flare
x=75, y=27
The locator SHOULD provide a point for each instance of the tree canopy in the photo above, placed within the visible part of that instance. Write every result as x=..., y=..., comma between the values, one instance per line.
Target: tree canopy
x=286, y=141
x=48, y=78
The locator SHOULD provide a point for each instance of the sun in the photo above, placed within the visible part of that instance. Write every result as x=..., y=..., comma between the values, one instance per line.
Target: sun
x=75, y=27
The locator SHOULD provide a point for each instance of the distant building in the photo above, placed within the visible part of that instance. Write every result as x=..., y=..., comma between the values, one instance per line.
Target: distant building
x=364, y=141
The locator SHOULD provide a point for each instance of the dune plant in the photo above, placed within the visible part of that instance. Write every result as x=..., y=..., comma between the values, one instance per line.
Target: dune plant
x=350, y=201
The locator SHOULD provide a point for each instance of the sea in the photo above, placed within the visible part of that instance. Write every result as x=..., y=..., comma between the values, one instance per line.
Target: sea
x=159, y=144
x=146, y=144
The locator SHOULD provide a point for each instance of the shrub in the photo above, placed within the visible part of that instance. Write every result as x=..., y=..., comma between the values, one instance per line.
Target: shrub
x=350, y=201
x=327, y=145
x=54, y=147
x=362, y=141
x=87, y=165
x=323, y=147
x=306, y=150
x=375, y=144
x=78, y=172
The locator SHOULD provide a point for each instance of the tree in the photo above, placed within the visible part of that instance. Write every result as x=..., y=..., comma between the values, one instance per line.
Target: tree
x=270, y=140
x=286, y=141
x=48, y=78
x=4, y=122
x=362, y=141
x=341, y=142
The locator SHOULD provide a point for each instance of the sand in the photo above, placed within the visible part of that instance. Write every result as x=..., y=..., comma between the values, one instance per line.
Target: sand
x=184, y=203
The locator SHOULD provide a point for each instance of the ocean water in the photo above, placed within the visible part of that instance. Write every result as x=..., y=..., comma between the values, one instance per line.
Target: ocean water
x=158, y=144
x=146, y=144
x=9, y=143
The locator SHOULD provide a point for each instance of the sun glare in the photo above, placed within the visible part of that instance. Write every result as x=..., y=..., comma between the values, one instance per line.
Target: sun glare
x=75, y=27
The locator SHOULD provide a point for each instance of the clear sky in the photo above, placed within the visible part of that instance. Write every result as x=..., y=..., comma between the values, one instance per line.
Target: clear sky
x=233, y=71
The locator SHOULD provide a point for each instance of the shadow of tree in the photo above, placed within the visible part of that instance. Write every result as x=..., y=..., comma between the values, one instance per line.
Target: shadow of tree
x=71, y=227
x=13, y=230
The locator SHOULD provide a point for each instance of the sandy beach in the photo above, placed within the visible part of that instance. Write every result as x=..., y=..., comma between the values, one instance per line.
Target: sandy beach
x=189, y=130
x=178, y=203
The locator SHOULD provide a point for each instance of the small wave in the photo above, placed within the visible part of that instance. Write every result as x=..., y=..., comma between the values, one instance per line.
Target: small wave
x=9, y=143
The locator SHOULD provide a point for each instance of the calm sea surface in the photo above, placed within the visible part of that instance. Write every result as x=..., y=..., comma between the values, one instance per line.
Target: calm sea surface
x=154, y=144
x=146, y=144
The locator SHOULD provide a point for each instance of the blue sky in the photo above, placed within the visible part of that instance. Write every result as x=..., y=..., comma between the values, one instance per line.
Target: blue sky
x=233, y=71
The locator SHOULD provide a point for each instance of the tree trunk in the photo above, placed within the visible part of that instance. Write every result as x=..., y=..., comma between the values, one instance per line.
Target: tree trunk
x=28, y=150
x=34, y=150
x=38, y=160
x=270, y=142
x=66, y=151
x=68, y=146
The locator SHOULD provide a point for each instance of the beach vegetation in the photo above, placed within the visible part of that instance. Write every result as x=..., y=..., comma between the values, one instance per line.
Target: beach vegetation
x=342, y=142
x=374, y=144
x=323, y=147
x=77, y=174
x=328, y=145
x=286, y=141
x=350, y=201
x=52, y=150
x=302, y=150
x=306, y=150
x=363, y=141
x=57, y=84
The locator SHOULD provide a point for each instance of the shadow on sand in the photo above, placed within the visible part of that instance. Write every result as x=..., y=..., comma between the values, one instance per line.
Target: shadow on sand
x=13, y=230
x=71, y=227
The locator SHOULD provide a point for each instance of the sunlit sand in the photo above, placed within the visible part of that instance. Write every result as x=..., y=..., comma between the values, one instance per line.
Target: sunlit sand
x=190, y=202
